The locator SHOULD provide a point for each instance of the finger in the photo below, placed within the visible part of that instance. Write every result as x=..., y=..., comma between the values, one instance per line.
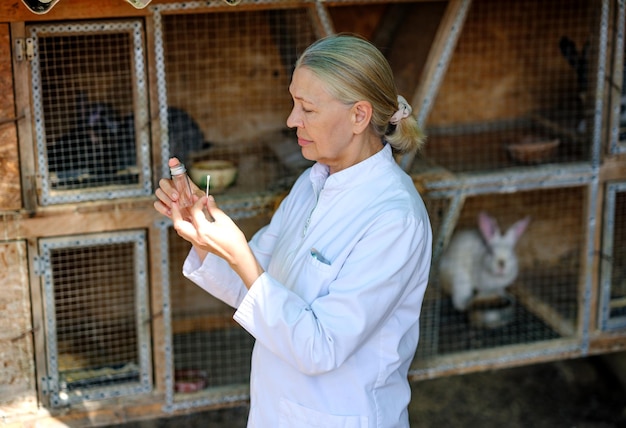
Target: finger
x=163, y=197
x=167, y=191
x=162, y=208
x=176, y=214
x=214, y=210
x=197, y=212
x=183, y=227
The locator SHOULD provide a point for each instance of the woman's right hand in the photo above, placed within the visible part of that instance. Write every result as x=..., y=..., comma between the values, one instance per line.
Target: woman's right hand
x=166, y=193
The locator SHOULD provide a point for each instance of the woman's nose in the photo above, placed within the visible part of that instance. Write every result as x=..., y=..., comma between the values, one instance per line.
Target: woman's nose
x=293, y=120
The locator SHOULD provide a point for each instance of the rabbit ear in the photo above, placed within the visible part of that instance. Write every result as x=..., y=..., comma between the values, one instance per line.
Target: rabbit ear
x=514, y=232
x=569, y=51
x=488, y=226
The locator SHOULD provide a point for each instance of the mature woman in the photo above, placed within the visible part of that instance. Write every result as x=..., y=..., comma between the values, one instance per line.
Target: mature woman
x=332, y=288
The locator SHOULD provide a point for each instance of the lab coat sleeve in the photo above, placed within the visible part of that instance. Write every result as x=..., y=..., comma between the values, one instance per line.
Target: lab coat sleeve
x=215, y=276
x=387, y=268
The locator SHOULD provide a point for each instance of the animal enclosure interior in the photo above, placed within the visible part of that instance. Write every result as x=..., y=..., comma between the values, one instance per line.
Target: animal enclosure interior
x=96, y=301
x=545, y=293
x=518, y=89
x=88, y=92
x=210, y=351
x=521, y=103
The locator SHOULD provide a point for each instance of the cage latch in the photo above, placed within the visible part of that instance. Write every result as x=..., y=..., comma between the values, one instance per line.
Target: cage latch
x=24, y=49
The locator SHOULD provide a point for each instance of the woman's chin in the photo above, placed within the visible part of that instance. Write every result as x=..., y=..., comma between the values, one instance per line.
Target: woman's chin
x=308, y=153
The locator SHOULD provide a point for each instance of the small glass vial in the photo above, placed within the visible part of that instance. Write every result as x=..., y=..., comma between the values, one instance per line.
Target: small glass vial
x=181, y=183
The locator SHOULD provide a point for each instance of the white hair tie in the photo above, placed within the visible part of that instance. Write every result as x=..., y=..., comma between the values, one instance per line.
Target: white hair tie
x=404, y=110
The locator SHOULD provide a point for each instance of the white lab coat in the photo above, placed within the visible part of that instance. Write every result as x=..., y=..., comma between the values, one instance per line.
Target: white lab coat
x=335, y=330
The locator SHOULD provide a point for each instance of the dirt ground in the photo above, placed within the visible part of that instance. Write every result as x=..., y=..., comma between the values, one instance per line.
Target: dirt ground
x=581, y=393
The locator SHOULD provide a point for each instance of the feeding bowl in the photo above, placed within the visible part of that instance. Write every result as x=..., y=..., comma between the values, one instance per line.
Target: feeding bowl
x=223, y=174
x=491, y=312
x=190, y=380
x=533, y=150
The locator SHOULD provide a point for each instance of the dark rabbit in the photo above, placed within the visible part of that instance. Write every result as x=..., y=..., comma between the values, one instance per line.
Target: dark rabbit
x=184, y=134
x=579, y=61
x=94, y=148
x=102, y=144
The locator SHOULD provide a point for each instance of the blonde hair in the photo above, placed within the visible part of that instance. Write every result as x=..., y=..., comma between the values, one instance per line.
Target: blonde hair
x=355, y=70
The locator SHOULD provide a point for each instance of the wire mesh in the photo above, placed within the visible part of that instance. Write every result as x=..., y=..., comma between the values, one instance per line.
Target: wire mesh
x=87, y=91
x=542, y=299
x=230, y=73
x=210, y=351
x=90, y=111
x=519, y=87
x=96, y=316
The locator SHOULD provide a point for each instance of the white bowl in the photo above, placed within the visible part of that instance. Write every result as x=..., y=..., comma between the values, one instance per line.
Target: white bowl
x=492, y=312
x=223, y=174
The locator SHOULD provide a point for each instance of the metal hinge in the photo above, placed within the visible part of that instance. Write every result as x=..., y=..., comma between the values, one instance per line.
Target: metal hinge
x=40, y=264
x=46, y=385
x=24, y=49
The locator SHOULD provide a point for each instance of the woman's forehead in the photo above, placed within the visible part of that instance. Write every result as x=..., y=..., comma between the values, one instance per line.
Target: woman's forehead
x=306, y=86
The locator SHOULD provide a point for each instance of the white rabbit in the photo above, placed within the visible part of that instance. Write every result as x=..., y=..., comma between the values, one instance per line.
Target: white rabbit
x=480, y=263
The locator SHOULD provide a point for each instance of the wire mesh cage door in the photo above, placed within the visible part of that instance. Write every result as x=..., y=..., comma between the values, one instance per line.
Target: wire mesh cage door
x=613, y=265
x=228, y=74
x=473, y=313
x=207, y=354
x=96, y=316
x=90, y=111
x=518, y=91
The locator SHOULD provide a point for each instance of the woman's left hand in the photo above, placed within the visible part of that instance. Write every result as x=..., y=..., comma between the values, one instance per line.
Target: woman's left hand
x=219, y=235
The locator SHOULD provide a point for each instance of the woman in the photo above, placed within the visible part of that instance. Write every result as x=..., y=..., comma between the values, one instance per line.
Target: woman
x=332, y=288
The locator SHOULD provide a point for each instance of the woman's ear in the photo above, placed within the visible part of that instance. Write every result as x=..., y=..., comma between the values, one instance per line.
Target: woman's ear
x=361, y=116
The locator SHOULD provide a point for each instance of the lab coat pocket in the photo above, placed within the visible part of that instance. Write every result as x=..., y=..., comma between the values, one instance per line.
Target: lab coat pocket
x=313, y=278
x=293, y=415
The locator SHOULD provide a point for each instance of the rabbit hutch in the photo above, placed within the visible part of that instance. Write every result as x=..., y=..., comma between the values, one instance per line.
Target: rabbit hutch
x=524, y=107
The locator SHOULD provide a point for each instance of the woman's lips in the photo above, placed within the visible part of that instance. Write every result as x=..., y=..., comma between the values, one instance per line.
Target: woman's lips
x=302, y=142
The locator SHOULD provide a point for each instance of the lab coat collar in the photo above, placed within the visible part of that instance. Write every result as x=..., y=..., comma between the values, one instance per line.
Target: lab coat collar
x=321, y=179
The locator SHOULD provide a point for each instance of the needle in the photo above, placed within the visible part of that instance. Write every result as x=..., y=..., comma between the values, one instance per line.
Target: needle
x=208, y=178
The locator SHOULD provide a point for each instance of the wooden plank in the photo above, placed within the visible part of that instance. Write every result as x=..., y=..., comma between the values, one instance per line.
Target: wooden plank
x=494, y=358
x=322, y=22
x=159, y=332
x=590, y=267
x=436, y=64
x=26, y=147
x=203, y=323
x=112, y=412
x=153, y=102
x=439, y=56
x=85, y=218
x=17, y=377
x=613, y=168
x=16, y=11
x=543, y=310
x=38, y=317
x=10, y=190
